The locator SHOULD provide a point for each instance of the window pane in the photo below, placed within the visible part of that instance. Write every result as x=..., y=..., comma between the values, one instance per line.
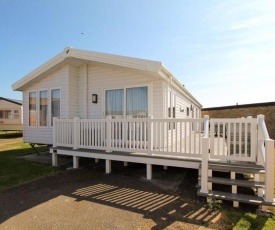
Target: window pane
x=43, y=108
x=55, y=103
x=137, y=102
x=114, y=102
x=32, y=109
x=16, y=114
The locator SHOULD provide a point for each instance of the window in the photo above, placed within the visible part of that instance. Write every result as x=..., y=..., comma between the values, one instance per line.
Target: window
x=171, y=105
x=137, y=102
x=187, y=111
x=114, y=102
x=32, y=109
x=55, y=104
x=48, y=102
x=16, y=114
x=43, y=104
x=5, y=114
x=130, y=102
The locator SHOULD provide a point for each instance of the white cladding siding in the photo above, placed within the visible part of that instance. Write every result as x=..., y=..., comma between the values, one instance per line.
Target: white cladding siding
x=82, y=97
x=103, y=78
x=57, y=80
x=73, y=86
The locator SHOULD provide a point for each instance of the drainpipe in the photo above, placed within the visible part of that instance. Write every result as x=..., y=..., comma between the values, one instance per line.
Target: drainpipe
x=85, y=90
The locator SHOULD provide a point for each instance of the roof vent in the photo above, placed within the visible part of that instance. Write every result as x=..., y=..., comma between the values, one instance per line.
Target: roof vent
x=67, y=49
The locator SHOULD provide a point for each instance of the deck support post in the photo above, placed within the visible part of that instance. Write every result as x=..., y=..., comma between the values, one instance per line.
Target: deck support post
x=96, y=160
x=260, y=191
x=269, y=170
x=125, y=164
x=149, y=171
x=75, y=162
x=76, y=133
x=109, y=135
x=165, y=167
x=54, y=159
x=108, y=166
x=150, y=135
x=234, y=189
x=260, y=159
x=54, y=132
x=204, y=165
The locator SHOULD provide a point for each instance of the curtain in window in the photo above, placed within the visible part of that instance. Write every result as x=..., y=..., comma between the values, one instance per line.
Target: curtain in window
x=32, y=109
x=137, y=102
x=43, y=108
x=114, y=102
x=55, y=103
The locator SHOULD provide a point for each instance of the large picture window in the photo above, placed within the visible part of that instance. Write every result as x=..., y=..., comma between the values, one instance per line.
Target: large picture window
x=137, y=102
x=114, y=102
x=43, y=104
x=48, y=104
x=130, y=102
x=32, y=109
x=55, y=103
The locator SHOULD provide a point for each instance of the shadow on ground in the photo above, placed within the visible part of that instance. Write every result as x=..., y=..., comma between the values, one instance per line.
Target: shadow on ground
x=123, y=189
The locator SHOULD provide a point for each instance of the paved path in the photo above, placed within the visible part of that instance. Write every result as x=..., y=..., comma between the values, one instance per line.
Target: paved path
x=90, y=199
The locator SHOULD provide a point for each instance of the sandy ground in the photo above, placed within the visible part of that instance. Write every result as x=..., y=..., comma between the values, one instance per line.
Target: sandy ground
x=88, y=198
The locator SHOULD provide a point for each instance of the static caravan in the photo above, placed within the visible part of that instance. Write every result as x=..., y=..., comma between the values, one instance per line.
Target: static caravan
x=92, y=85
x=109, y=107
x=11, y=115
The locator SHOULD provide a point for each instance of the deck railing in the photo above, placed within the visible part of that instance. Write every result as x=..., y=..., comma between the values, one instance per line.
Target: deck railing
x=177, y=137
x=244, y=139
x=266, y=157
x=233, y=139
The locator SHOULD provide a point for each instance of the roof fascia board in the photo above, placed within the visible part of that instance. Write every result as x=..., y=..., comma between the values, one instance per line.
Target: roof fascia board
x=41, y=69
x=129, y=62
x=11, y=101
x=174, y=82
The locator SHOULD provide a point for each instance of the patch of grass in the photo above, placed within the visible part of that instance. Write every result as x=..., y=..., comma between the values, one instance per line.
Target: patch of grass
x=15, y=171
x=238, y=219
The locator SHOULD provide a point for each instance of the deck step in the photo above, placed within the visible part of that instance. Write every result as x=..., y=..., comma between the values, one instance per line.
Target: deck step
x=237, y=168
x=238, y=197
x=243, y=183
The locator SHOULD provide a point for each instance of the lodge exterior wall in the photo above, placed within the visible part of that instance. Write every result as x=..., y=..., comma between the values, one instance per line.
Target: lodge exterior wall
x=237, y=111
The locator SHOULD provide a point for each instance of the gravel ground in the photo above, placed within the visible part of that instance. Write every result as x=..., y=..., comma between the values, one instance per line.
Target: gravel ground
x=88, y=198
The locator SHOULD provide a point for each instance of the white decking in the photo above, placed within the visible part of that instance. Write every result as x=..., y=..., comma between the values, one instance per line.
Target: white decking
x=188, y=143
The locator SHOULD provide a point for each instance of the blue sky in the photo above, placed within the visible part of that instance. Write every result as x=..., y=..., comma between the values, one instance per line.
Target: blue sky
x=222, y=51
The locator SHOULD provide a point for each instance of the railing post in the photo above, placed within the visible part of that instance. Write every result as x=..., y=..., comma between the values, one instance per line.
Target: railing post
x=205, y=156
x=76, y=133
x=54, y=131
x=150, y=135
x=260, y=160
x=109, y=136
x=269, y=170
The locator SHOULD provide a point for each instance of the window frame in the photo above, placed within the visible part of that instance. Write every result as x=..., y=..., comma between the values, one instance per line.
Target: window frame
x=39, y=111
x=32, y=91
x=50, y=109
x=37, y=104
x=124, y=88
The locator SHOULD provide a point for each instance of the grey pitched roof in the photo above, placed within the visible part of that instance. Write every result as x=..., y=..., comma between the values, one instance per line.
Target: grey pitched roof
x=18, y=102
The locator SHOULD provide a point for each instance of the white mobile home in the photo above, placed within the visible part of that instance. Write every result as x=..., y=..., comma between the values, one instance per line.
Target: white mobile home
x=102, y=106
x=90, y=85
x=11, y=112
